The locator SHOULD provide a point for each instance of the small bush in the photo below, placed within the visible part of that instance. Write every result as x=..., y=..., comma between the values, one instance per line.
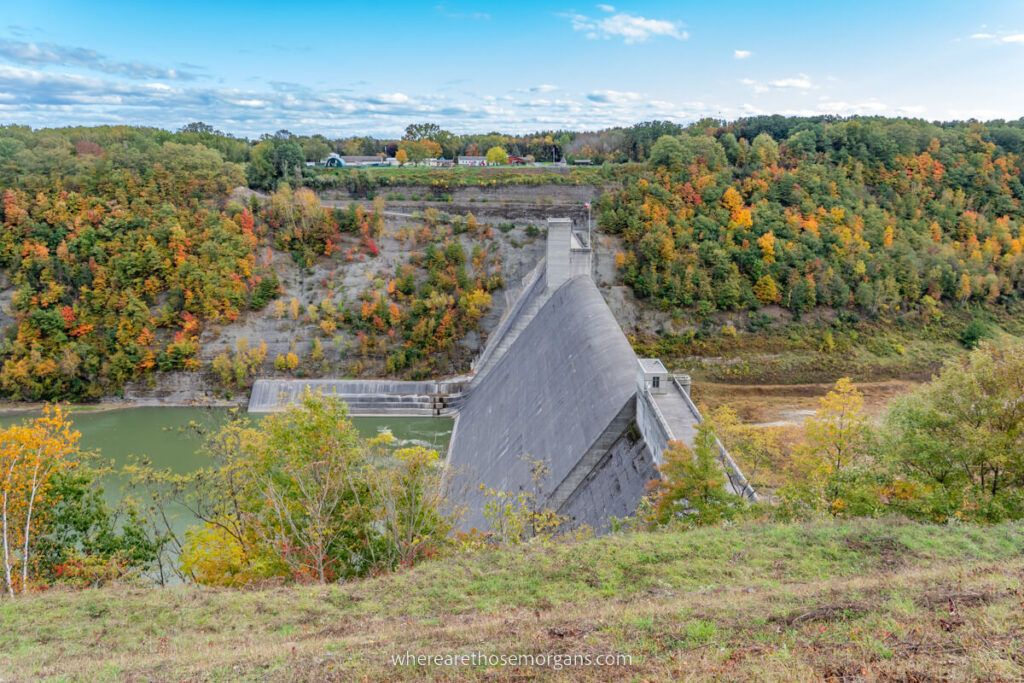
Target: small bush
x=974, y=332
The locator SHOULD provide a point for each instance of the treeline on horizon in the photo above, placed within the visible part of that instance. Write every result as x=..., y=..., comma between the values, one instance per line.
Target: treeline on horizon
x=612, y=145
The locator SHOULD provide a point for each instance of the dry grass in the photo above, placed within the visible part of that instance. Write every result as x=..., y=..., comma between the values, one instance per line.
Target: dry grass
x=791, y=404
x=866, y=600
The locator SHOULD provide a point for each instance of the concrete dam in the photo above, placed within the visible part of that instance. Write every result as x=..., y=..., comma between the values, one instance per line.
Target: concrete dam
x=557, y=383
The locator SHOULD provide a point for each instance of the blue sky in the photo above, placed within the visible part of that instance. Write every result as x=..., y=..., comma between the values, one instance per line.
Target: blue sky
x=343, y=68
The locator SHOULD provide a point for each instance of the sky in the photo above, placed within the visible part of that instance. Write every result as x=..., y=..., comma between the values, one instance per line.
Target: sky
x=370, y=68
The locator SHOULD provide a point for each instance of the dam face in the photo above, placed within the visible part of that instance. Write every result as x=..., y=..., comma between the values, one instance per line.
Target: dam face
x=563, y=395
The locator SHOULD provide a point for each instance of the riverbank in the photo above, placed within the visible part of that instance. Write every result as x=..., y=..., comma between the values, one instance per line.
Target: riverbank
x=109, y=404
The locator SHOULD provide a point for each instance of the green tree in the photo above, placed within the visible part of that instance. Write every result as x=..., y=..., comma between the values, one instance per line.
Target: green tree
x=959, y=440
x=766, y=150
x=84, y=543
x=273, y=160
x=692, y=490
x=422, y=131
x=668, y=152
x=405, y=488
x=307, y=467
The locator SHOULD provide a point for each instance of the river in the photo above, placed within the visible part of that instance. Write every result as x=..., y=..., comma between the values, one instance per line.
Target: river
x=163, y=435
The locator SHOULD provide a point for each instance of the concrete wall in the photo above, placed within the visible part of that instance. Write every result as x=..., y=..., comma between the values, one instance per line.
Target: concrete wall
x=580, y=262
x=364, y=397
x=653, y=427
x=614, y=487
x=533, y=285
x=738, y=483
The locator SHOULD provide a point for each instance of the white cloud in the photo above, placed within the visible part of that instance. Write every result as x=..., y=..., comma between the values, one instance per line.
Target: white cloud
x=606, y=8
x=613, y=97
x=825, y=105
x=389, y=98
x=628, y=27
x=44, y=97
x=49, y=54
x=998, y=38
x=41, y=98
x=754, y=85
x=251, y=102
x=800, y=82
x=741, y=54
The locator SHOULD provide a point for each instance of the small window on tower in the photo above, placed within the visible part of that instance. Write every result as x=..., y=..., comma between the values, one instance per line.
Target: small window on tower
x=655, y=382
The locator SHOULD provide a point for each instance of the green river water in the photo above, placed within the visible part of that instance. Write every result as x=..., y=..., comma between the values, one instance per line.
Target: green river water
x=162, y=435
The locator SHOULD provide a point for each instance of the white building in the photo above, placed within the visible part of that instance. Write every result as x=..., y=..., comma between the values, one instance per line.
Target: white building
x=472, y=161
x=335, y=160
x=652, y=375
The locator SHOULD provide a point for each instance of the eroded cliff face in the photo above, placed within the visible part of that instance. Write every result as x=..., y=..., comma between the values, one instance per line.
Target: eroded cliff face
x=515, y=215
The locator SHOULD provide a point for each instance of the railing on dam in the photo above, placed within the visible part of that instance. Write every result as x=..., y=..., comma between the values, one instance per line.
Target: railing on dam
x=531, y=284
x=737, y=481
x=657, y=431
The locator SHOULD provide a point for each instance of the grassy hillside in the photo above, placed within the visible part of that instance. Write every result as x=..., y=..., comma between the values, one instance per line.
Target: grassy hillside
x=733, y=350
x=883, y=599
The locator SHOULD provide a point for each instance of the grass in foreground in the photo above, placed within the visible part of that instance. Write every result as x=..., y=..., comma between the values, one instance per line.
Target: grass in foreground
x=874, y=599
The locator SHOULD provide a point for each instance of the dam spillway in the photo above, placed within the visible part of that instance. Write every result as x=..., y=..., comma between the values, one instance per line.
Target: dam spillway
x=364, y=397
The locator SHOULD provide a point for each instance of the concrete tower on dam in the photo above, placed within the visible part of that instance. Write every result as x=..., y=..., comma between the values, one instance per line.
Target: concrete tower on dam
x=557, y=383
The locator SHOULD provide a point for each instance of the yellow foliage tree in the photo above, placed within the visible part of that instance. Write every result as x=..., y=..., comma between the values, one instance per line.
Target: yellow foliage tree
x=732, y=200
x=213, y=555
x=476, y=303
x=739, y=215
x=963, y=290
x=767, y=244
x=889, y=236
x=280, y=308
x=835, y=439
x=30, y=455
x=767, y=291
